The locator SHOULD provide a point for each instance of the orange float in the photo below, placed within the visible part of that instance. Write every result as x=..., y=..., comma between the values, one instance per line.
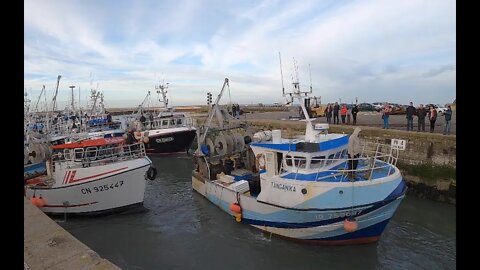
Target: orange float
x=350, y=225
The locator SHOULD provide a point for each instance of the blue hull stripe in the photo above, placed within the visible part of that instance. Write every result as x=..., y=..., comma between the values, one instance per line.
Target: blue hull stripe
x=310, y=224
x=331, y=144
x=371, y=231
x=278, y=146
x=323, y=146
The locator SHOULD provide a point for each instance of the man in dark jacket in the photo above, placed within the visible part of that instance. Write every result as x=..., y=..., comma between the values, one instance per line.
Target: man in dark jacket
x=354, y=114
x=421, y=113
x=410, y=113
x=336, y=109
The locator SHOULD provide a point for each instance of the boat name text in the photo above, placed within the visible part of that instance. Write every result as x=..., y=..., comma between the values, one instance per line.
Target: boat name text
x=103, y=188
x=162, y=140
x=284, y=187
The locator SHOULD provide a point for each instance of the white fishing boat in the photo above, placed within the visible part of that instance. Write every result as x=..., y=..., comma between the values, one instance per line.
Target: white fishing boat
x=299, y=188
x=92, y=176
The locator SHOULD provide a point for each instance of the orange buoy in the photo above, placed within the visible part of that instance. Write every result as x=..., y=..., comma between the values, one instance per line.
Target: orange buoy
x=41, y=201
x=350, y=225
x=146, y=139
x=238, y=217
x=235, y=207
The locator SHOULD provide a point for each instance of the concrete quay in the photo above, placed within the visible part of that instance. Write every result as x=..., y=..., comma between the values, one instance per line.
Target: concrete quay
x=49, y=246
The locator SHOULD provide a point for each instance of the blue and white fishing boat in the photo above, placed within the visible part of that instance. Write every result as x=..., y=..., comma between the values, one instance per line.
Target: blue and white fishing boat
x=298, y=188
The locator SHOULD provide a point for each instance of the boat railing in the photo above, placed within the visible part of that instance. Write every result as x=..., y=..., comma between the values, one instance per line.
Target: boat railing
x=374, y=157
x=95, y=156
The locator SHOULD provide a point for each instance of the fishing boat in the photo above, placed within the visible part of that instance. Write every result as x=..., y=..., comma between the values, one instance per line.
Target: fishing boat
x=91, y=176
x=300, y=188
x=168, y=131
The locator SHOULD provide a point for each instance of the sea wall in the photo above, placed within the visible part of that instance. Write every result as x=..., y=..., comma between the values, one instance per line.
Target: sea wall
x=428, y=162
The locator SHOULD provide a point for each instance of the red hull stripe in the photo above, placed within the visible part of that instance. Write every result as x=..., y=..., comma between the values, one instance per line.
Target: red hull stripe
x=69, y=206
x=93, y=176
x=72, y=175
x=66, y=177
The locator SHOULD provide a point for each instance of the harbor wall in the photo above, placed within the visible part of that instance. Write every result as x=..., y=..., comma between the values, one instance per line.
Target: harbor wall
x=46, y=245
x=428, y=163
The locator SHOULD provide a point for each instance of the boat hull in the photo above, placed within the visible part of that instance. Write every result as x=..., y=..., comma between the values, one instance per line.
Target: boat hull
x=320, y=226
x=118, y=186
x=175, y=141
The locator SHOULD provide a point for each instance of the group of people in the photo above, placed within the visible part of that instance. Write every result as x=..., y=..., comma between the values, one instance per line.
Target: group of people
x=427, y=112
x=334, y=110
x=235, y=111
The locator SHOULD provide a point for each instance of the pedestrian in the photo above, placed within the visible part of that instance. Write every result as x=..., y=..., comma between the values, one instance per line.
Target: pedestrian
x=343, y=113
x=354, y=114
x=336, y=109
x=386, y=115
x=142, y=120
x=448, y=117
x=328, y=113
x=410, y=112
x=150, y=117
x=109, y=118
x=421, y=113
x=432, y=116
x=353, y=152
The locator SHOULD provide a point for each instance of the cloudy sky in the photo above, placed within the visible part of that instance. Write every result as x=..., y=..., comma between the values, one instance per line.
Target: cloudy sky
x=375, y=50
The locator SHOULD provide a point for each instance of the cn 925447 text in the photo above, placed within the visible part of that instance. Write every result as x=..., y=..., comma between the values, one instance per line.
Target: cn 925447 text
x=102, y=188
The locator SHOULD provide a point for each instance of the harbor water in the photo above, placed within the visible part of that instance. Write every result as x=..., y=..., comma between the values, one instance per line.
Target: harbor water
x=179, y=229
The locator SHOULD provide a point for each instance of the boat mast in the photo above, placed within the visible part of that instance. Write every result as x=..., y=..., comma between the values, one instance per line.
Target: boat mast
x=301, y=96
x=54, y=107
x=162, y=89
x=38, y=100
x=72, y=104
x=213, y=111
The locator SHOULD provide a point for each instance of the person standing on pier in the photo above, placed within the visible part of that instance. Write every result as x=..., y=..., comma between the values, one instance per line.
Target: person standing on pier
x=410, y=112
x=448, y=117
x=432, y=116
x=354, y=114
x=421, y=113
x=386, y=115
x=343, y=113
x=336, y=108
x=142, y=120
x=328, y=113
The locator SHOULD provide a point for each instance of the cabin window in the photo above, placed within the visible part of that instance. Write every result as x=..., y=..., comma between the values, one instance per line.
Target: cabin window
x=317, y=162
x=91, y=153
x=108, y=151
x=179, y=122
x=300, y=162
x=78, y=152
x=164, y=123
x=337, y=155
x=67, y=154
x=288, y=160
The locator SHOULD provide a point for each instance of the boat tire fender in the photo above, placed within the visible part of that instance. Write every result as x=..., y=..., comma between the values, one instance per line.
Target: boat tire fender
x=152, y=173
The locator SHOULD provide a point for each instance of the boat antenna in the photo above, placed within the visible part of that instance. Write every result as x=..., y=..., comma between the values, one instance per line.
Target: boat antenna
x=281, y=72
x=311, y=88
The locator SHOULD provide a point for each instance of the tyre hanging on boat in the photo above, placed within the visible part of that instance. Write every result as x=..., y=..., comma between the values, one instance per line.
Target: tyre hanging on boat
x=152, y=173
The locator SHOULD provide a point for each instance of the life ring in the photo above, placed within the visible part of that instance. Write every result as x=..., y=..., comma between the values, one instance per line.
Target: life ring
x=152, y=173
x=260, y=161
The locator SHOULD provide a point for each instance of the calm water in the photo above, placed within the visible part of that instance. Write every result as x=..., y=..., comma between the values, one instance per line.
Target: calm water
x=179, y=229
